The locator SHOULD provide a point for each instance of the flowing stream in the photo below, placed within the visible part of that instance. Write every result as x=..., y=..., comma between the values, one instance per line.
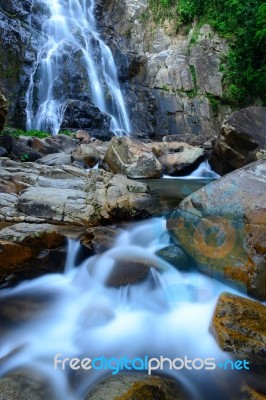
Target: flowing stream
x=71, y=31
x=78, y=314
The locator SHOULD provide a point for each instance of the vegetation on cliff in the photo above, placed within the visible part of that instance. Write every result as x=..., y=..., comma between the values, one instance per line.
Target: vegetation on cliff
x=243, y=23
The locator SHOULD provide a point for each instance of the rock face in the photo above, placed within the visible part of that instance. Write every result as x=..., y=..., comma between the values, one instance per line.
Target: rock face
x=132, y=158
x=29, y=250
x=242, y=140
x=3, y=110
x=223, y=227
x=174, y=81
x=239, y=326
x=136, y=387
x=70, y=195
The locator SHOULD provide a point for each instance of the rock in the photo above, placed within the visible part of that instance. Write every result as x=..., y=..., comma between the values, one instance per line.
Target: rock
x=62, y=143
x=128, y=272
x=29, y=250
x=55, y=159
x=3, y=152
x=136, y=387
x=82, y=135
x=3, y=110
x=184, y=161
x=23, y=152
x=42, y=147
x=100, y=238
x=83, y=115
x=223, y=228
x=242, y=140
x=86, y=153
x=251, y=394
x=174, y=256
x=71, y=195
x=21, y=386
x=132, y=158
x=239, y=326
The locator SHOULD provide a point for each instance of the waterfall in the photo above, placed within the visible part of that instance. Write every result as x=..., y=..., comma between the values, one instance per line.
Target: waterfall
x=78, y=314
x=72, y=36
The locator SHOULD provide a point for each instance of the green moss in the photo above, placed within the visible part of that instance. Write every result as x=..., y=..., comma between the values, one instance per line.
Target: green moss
x=215, y=104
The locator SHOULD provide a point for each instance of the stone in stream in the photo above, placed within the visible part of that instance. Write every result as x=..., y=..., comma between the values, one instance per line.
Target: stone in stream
x=24, y=386
x=252, y=394
x=175, y=256
x=239, y=326
x=223, y=228
x=132, y=158
x=29, y=250
x=136, y=387
x=100, y=238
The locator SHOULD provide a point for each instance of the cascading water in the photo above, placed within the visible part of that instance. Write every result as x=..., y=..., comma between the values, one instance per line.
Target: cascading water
x=203, y=171
x=167, y=314
x=71, y=33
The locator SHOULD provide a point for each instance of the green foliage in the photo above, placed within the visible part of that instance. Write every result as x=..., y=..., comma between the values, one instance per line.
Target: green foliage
x=215, y=104
x=24, y=157
x=19, y=132
x=243, y=22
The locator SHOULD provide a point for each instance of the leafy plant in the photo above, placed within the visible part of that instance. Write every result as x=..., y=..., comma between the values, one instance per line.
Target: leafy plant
x=243, y=22
x=24, y=158
x=16, y=132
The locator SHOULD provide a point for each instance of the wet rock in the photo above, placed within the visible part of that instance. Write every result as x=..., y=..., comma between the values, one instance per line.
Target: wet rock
x=174, y=256
x=3, y=110
x=128, y=272
x=239, y=326
x=223, y=228
x=136, y=387
x=82, y=115
x=100, y=239
x=242, y=140
x=71, y=195
x=251, y=394
x=185, y=160
x=17, y=386
x=132, y=158
x=29, y=250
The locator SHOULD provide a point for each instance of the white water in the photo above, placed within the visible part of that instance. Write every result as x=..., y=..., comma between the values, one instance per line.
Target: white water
x=168, y=314
x=203, y=171
x=71, y=26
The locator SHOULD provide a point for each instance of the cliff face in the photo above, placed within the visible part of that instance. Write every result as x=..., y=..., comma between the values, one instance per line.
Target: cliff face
x=174, y=80
x=20, y=40
x=171, y=82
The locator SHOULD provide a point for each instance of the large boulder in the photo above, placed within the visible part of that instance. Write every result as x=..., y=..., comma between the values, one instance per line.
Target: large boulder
x=3, y=110
x=177, y=158
x=70, y=195
x=29, y=250
x=242, y=140
x=223, y=227
x=136, y=387
x=132, y=158
x=239, y=326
